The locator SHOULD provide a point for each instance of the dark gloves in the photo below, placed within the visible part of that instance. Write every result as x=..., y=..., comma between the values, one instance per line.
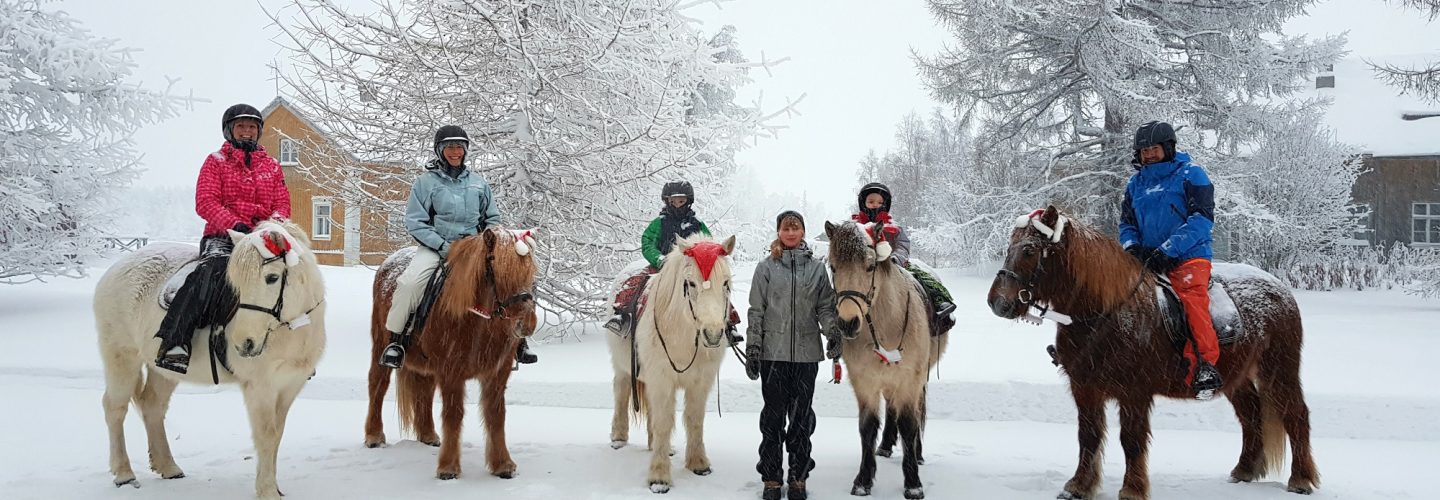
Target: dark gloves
x=241, y=227
x=1153, y=258
x=752, y=362
x=832, y=346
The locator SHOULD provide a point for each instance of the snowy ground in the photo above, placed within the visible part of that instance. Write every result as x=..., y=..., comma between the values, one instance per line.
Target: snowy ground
x=1002, y=424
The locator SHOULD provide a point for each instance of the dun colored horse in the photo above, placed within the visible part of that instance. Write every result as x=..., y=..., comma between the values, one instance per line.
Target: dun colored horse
x=1116, y=345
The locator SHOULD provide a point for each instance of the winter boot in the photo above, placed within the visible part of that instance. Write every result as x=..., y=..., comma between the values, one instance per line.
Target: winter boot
x=797, y=490
x=735, y=337
x=1207, y=381
x=772, y=491
x=523, y=354
x=394, y=354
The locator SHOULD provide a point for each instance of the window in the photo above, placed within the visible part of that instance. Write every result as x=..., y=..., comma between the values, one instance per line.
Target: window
x=1425, y=223
x=289, y=152
x=395, y=228
x=1325, y=82
x=320, y=221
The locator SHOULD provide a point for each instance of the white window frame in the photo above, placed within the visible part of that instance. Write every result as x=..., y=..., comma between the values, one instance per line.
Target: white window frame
x=289, y=152
x=1430, y=216
x=317, y=222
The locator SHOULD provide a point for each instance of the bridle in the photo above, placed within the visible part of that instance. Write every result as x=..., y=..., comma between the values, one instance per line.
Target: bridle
x=864, y=302
x=499, y=306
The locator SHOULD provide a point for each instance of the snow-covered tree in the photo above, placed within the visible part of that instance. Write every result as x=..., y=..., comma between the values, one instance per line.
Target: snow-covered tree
x=67, y=114
x=578, y=112
x=1423, y=80
x=1060, y=86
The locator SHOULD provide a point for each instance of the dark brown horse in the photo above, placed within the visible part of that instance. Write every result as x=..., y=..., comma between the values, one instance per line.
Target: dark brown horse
x=491, y=273
x=1117, y=346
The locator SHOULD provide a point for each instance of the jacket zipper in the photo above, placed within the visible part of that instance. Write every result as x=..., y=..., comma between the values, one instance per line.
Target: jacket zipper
x=793, y=332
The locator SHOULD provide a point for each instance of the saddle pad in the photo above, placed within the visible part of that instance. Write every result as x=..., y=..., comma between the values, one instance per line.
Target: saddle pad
x=172, y=285
x=1223, y=312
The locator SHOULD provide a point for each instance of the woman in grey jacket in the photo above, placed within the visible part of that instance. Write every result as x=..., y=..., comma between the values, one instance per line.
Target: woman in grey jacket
x=792, y=304
x=447, y=203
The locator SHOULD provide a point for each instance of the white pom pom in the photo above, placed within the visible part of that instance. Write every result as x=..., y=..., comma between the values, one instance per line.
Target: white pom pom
x=705, y=284
x=521, y=247
x=882, y=250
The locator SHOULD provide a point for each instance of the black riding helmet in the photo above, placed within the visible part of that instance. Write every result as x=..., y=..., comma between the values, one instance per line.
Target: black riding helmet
x=878, y=188
x=1152, y=134
x=678, y=188
x=450, y=134
x=239, y=112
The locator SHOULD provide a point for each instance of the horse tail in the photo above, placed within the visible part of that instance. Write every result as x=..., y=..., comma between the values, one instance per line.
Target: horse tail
x=1272, y=434
x=412, y=390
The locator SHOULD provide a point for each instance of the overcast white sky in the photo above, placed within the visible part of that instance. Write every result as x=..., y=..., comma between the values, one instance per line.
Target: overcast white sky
x=851, y=58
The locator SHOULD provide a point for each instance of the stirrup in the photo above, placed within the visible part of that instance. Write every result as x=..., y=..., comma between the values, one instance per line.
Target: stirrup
x=175, y=360
x=616, y=325
x=393, y=355
x=944, y=308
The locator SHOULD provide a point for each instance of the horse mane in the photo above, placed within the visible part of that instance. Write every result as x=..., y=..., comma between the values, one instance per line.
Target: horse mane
x=467, y=268
x=466, y=285
x=1103, y=275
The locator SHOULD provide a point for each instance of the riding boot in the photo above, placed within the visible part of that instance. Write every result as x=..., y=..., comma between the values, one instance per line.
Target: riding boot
x=1207, y=381
x=394, y=354
x=523, y=354
x=617, y=323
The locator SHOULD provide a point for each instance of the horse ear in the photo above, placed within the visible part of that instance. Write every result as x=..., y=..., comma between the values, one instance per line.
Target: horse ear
x=1051, y=215
x=829, y=229
x=489, y=239
x=729, y=245
x=235, y=236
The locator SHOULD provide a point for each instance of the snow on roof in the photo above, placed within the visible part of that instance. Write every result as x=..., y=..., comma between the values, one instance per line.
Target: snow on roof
x=1371, y=115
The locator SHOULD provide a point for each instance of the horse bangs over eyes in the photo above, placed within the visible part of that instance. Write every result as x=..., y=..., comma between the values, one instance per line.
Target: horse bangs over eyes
x=853, y=264
x=1013, y=288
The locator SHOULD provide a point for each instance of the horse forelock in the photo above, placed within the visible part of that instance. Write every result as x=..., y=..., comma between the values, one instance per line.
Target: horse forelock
x=848, y=244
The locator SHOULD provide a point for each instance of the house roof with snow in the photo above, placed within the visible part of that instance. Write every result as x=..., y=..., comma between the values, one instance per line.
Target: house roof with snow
x=1373, y=116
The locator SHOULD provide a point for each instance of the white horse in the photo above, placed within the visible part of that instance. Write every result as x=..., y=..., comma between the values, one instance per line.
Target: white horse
x=680, y=338
x=272, y=347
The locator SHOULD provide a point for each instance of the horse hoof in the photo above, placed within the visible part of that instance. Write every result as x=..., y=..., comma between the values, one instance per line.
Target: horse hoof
x=920, y=460
x=1065, y=495
x=884, y=452
x=375, y=444
x=446, y=476
x=132, y=482
x=660, y=487
x=1293, y=489
x=702, y=472
x=617, y=444
x=914, y=493
x=177, y=475
x=432, y=442
x=510, y=474
x=860, y=491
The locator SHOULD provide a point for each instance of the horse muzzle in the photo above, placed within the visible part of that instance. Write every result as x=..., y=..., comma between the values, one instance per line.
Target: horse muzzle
x=250, y=349
x=849, y=327
x=1004, y=307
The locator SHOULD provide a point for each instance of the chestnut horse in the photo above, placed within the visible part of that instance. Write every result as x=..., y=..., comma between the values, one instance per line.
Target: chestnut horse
x=1117, y=345
x=472, y=332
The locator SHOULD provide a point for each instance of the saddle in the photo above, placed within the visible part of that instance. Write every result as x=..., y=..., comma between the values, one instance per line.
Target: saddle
x=427, y=300
x=938, y=326
x=1223, y=312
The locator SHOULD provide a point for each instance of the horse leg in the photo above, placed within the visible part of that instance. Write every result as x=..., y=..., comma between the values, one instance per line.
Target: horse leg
x=492, y=408
x=379, y=385
x=1283, y=399
x=452, y=414
x=1246, y=400
x=909, y=422
x=869, y=402
x=695, y=457
x=1135, y=440
x=422, y=406
x=122, y=382
x=661, y=395
x=1090, y=406
x=924, y=417
x=261, y=400
x=620, y=421
x=889, y=432
x=154, y=402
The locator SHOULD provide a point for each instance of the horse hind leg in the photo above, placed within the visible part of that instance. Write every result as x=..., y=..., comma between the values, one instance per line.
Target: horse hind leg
x=909, y=423
x=1246, y=400
x=154, y=403
x=379, y=384
x=620, y=420
x=122, y=383
x=1284, y=412
x=1090, y=409
x=422, y=407
x=889, y=433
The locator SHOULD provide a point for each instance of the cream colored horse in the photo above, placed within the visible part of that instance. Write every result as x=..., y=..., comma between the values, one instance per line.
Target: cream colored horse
x=883, y=316
x=680, y=339
x=269, y=356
